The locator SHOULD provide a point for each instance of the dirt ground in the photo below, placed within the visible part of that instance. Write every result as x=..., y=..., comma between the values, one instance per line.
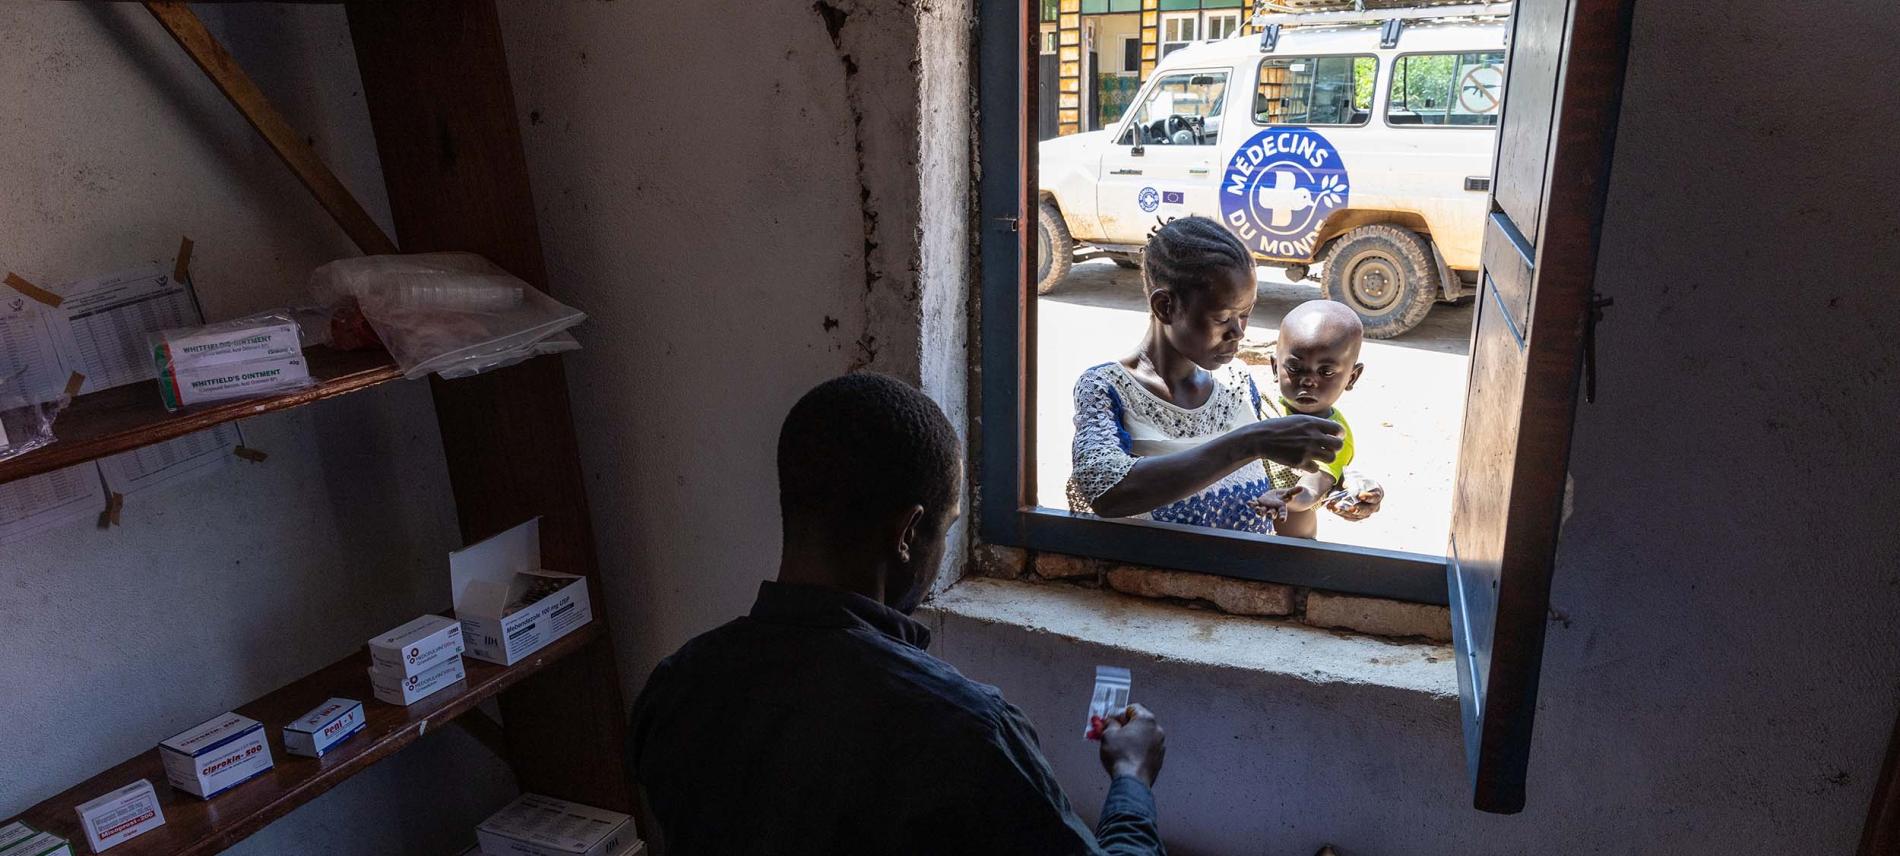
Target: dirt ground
x=1405, y=411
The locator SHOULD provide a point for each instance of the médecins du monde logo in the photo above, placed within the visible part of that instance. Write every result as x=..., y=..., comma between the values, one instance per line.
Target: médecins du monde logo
x=1279, y=189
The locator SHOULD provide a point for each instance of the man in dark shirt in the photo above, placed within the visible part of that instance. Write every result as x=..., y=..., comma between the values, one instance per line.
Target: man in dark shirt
x=817, y=724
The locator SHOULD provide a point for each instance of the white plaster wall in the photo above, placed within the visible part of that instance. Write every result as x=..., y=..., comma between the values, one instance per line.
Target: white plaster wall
x=215, y=591
x=1724, y=677
x=732, y=192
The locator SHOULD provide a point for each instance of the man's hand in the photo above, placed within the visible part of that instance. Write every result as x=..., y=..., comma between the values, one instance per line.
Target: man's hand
x=1362, y=501
x=1133, y=744
x=1301, y=442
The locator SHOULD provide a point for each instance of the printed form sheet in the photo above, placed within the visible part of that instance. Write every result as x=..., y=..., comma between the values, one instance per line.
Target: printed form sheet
x=107, y=319
x=29, y=350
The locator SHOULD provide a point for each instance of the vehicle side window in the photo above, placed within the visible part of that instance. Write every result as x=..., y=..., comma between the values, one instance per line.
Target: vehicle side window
x=1315, y=90
x=1449, y=89
x=1181, y=110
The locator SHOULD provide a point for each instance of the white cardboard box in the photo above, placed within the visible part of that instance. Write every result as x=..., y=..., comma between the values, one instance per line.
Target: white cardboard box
x=215, y=756
x=508, y=606
x=535, y=825
x=14, y=833
x=121, y=816
x=38, y=844
x=406, y=690
x=331, y=723
x=418, y=646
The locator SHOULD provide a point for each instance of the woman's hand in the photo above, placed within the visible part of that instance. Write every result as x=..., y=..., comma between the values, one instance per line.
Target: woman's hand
x=1301, y=442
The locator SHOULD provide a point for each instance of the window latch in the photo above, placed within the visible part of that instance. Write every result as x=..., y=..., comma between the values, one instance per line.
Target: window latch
x=1015, y=224
x=1597, y=305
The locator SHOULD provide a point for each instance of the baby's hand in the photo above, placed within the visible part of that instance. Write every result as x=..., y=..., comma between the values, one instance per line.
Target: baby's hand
x=1359, y=500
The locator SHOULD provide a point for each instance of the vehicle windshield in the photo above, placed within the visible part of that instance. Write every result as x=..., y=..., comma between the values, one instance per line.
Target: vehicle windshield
x=1181, y=110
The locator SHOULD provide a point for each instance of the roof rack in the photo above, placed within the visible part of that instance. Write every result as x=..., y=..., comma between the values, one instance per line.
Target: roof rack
x=1391, y=19
x=1356, y=11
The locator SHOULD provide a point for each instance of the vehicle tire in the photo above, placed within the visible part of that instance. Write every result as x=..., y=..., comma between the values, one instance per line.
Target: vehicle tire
x=1127, y=263
x=1055, y=249
x=1385, y=273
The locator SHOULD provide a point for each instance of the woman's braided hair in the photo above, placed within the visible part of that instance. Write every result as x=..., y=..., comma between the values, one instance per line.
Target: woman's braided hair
x=1186, y=254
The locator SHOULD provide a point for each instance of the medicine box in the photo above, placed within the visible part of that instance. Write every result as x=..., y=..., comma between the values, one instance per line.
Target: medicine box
x=331, y=723
x=509, y=607
x=233, y=359
x=121, y=816
x=211, y=758
x=418, y=646
x=535, y=825
x=38, y=844
x=14, y=833
x=406, y=690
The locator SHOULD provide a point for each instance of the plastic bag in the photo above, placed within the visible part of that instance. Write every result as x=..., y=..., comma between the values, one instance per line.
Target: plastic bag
x=453, y=314
x=246, y=358
x=25, y=424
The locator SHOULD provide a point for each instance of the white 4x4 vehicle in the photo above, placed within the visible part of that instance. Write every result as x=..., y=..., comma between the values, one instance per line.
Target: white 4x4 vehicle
x=1361, y=145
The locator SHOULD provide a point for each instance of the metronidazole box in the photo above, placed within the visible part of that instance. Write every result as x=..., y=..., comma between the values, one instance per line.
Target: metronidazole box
x=418, y=646
x=408, y=689
x=121, y=816
x=331, y=723
x=215, y=756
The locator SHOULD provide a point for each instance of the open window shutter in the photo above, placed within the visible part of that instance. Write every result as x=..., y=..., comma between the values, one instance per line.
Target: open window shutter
x=1565, y=74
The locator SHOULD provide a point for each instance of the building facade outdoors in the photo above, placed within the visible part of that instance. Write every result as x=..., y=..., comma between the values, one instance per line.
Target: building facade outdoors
x=1095, y=53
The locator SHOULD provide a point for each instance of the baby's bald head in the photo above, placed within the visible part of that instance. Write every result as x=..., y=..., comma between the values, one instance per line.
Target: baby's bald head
x=1324, y=325
x=1318, y=356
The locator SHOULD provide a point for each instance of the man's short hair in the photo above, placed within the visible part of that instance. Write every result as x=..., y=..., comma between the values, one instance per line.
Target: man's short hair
x=863, y=445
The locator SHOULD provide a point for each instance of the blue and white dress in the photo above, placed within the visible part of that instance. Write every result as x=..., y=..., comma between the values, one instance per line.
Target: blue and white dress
x=1117, y=421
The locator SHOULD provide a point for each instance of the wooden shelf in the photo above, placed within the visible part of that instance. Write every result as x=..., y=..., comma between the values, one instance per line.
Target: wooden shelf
x=194, y=826
x=128, y=417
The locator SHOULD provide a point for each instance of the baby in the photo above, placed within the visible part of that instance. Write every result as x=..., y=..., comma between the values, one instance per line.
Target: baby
x=1316, y=361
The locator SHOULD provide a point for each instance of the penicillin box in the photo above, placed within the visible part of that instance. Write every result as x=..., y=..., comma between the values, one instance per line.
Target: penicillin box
x=331, y=723
x=37, y=844
x=535, y=825
x=121, y=816
x=408, y=689
x=508, y=606
x=213, y=757
x=416, y=647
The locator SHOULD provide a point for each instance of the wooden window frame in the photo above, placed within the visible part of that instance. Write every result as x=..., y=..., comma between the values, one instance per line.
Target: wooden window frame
x=1007, y=513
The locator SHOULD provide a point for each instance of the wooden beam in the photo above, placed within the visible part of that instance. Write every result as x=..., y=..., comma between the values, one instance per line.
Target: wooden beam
x=435, y=79
x=1881, y=835
x=224, y=71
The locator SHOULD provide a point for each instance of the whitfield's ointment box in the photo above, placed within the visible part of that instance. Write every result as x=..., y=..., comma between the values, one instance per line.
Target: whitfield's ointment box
x=535, y=825
x=37, y=844
x=509, y=607
x=121, y=816
x=417, y=647
x=215, y=756
x=394, y=688
x=331, y=723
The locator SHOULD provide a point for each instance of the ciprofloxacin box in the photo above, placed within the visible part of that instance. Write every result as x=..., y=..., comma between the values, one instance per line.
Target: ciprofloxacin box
x=508, y=605
x=535, y=825
x=417, y=646
x=216, y=756
x=331, y=723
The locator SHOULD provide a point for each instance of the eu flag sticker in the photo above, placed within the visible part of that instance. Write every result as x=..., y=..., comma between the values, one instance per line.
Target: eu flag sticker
x=1173, y=197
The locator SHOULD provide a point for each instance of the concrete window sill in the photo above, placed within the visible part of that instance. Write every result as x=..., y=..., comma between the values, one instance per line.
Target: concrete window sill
x=1174, y=633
